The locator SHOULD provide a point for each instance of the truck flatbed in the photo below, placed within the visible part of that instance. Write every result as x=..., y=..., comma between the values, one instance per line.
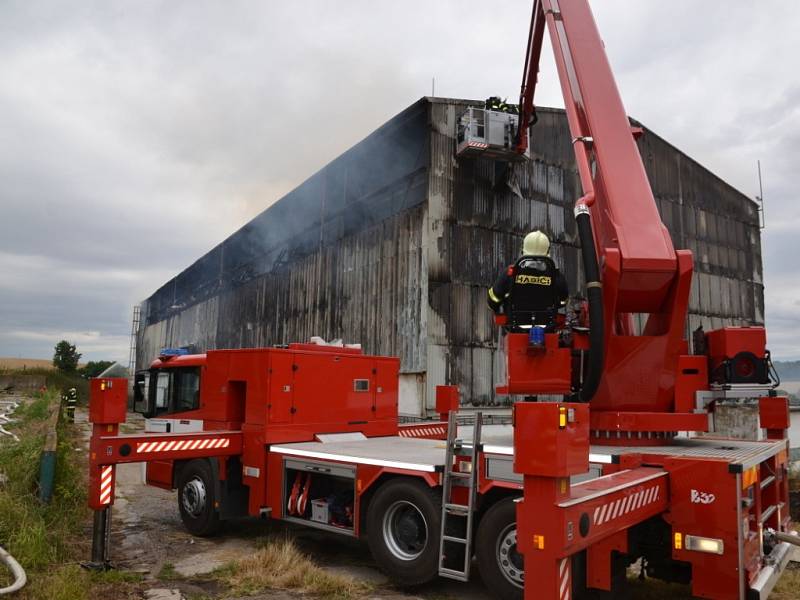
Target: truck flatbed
x=740, y=454
x=429, y=455
x=397, y=452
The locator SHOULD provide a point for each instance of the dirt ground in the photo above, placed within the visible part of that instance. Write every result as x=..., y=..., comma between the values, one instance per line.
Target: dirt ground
x=147, y=537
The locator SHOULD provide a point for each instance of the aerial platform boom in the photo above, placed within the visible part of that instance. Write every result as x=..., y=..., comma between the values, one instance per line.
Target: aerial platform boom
x=640, y=271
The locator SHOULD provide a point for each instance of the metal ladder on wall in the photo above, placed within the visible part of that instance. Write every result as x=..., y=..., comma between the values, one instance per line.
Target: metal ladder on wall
x=457, y=519
x=134, y=333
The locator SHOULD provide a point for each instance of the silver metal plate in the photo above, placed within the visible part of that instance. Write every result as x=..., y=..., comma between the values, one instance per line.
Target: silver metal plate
x=393, y=452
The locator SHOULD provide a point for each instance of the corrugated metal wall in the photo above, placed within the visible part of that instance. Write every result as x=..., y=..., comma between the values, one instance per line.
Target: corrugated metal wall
x=393, y=244
x=341, y=256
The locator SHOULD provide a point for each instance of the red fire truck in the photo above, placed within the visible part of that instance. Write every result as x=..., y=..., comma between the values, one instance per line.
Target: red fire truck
x=309, y=434
x=628, y=469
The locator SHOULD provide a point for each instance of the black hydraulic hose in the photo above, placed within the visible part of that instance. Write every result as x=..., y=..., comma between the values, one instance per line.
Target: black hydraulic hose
x=594, y=294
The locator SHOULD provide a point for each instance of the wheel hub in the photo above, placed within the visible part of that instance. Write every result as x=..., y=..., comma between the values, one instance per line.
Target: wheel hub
x=193, y=497
x=405, y=531
x=509, y=559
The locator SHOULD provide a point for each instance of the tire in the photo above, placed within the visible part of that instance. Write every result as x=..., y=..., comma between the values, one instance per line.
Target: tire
x=403, y=528
x=499, y=563
x=197, y=498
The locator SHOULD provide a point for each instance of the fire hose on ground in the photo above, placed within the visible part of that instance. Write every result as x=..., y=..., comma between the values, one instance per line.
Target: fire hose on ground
x=6, y=408
x=20, y=578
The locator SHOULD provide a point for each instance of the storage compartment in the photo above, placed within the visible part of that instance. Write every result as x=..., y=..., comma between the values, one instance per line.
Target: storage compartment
x=320, y=495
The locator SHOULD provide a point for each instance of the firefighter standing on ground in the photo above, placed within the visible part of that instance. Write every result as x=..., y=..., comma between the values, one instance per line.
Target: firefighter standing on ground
x=71, y=398
x=551, y=288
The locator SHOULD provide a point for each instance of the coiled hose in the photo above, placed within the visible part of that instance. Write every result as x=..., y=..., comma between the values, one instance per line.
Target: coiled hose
x=20, y=579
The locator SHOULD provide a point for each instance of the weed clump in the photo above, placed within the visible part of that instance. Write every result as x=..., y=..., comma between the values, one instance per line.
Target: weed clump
x=279, y=564
x=43, y=537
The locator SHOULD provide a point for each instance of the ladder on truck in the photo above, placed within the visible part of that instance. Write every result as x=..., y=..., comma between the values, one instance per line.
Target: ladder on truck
x=455, y=540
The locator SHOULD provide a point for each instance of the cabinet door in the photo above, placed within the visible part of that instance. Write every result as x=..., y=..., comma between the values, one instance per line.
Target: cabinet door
x=281, y=387
x=386, y=374
x=333, y=389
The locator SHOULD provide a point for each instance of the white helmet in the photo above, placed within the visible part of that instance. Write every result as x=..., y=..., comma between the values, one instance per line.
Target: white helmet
x=536, y=244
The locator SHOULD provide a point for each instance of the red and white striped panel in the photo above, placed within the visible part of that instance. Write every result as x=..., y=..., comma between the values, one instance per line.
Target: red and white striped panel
x=176, y=445
x=479, y=145
x=106, y=483
x=622, y=506
x=419, y=431
x=564, y=583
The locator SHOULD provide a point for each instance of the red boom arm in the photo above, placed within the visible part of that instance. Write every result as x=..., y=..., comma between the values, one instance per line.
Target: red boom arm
x=640, y=270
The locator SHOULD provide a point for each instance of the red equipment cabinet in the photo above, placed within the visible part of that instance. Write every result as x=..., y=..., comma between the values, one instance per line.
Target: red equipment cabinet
x=108, y=400
x=545, y=370
x=729, y=341
x=738, y=355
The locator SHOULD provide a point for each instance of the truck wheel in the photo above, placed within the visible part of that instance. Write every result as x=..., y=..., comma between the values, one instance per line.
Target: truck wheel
x=403, y=527
x=197, y=498
x=500, y=564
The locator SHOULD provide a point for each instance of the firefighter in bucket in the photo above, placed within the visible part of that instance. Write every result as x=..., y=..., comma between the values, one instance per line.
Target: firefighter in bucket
x=531, y=291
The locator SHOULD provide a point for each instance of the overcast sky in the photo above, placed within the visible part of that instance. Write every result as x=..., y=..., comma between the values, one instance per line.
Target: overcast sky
x=135, y=136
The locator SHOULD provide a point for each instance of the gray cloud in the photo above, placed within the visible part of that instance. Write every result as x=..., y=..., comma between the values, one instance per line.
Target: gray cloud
x=134, y=137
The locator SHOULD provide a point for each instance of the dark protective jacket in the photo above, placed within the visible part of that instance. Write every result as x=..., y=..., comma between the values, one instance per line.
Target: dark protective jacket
x=536, y=282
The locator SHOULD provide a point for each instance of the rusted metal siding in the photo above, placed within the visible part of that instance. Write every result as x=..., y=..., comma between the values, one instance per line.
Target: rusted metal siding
x=394, y=243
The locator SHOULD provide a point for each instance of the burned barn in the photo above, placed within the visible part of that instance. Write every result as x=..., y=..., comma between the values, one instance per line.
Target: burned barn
x=393, y=244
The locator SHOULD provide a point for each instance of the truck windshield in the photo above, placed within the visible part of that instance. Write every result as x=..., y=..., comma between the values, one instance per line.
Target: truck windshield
x=175, y=390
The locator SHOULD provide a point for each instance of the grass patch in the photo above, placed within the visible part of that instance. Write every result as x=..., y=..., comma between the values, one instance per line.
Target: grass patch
x=655, y=589
x=788, y=584
x=49, y=540
x=42, y=537
x=68, y=582
x=39, y=535
x=279, y=564
x=168, y=572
